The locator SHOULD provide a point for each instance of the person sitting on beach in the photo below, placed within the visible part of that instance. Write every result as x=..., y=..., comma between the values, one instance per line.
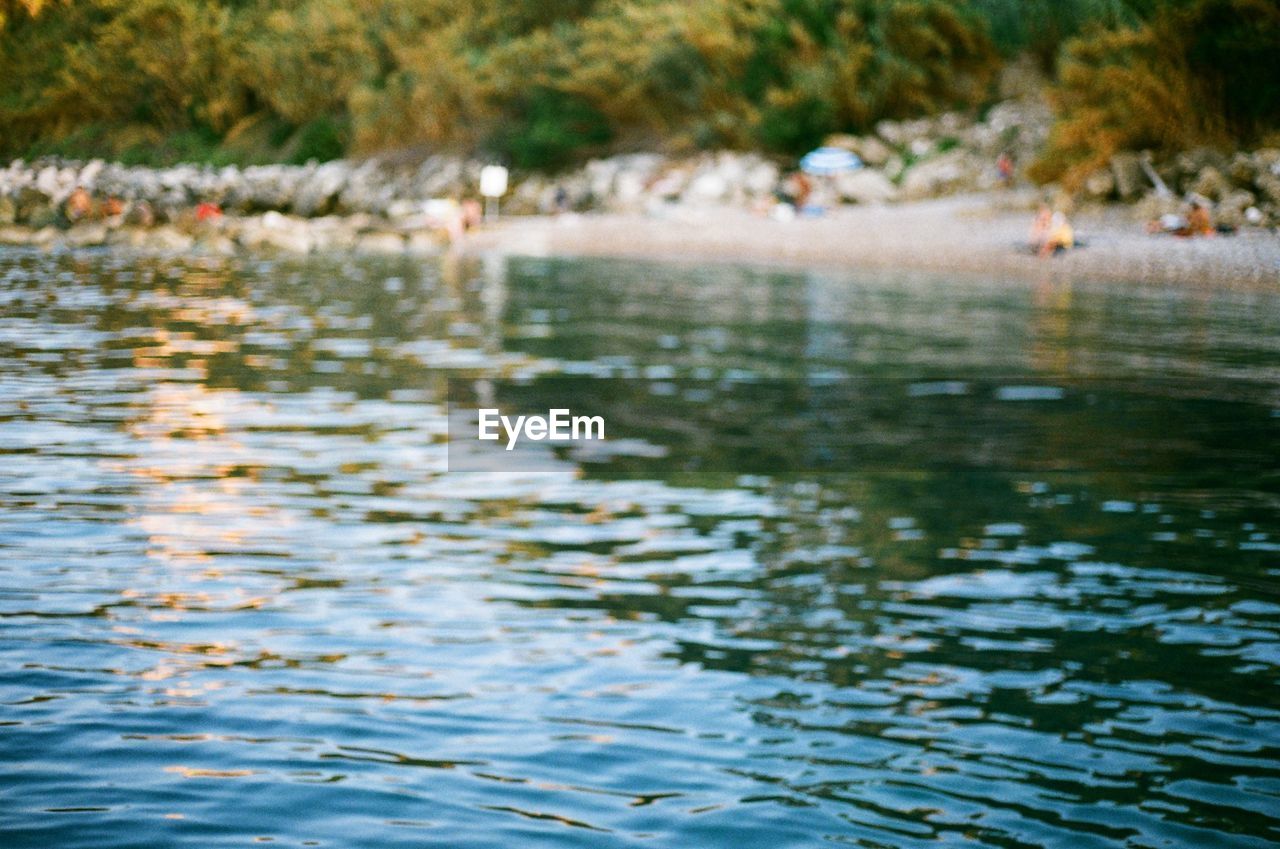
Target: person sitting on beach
x=1004, y=168
x=472, y=213
x=1060, y=238
x=79, y=205
x=1040, y=228
x=207, y=211
x=1198, y=221
x=797, y=189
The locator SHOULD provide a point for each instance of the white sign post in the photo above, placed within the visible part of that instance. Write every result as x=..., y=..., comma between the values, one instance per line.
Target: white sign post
x=493, y=185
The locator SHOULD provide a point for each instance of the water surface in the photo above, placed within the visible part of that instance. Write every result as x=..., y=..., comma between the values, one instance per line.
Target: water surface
x=241, y=600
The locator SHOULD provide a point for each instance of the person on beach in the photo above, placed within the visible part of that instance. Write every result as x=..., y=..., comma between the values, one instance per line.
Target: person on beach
x=79, y=205
x=207, y=211
x=797, y=190
x=1040, y=228
x=1060, y=237
x=472, y=213
x=1004, y=169
x=1197, y=222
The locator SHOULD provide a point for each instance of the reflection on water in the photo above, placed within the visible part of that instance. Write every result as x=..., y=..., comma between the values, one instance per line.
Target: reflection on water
x=240, y=601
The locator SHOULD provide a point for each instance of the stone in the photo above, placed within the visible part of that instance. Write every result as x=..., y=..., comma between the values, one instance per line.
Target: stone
x=273, y=230
x=892, y=132
x=1267, y=161
x=440, y=176
x=1130, y=180
x=865, y=185
x=707, y=187
x=318, y=192
x=167, y=239
x=872, y=151
x=1268, y=187
x=628, y=190
x=671, y=184
x=1100, y=184
x=894, y=167
x=334, y=232
x=380, y=243
x=43, y=237
x=1153, y=205
x=218, y=244
x=366, y=191
x=10, y=235
x=1232, y=210
x=86, y=235
x=423, y=242
x=1210, y=183
x=761, y=179
x=950, y=172
x=1241, y=171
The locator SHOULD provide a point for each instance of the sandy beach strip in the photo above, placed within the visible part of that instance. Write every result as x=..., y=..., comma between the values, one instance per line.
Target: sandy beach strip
x=976, y=233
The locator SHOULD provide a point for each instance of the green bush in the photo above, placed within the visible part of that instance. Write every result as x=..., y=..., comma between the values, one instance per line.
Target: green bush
x=547, y=129
x=322, y=140
x=1197, y=73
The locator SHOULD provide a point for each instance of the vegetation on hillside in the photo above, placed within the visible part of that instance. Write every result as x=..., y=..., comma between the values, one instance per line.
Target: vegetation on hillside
x=544, y=84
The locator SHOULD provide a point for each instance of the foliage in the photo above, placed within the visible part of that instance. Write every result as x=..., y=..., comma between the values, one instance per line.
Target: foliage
x=544, y=84
x=1194, y=74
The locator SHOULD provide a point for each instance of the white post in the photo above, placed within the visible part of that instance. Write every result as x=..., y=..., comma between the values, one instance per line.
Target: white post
x=493, y=185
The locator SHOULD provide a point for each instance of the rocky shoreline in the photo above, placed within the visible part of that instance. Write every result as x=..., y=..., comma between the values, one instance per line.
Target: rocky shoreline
x=385, y=205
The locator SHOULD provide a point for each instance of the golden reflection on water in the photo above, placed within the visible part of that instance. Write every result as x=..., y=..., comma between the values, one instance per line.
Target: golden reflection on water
x=240, y=564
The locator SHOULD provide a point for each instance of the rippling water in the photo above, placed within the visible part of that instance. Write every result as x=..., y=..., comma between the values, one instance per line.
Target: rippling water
x=241, y=601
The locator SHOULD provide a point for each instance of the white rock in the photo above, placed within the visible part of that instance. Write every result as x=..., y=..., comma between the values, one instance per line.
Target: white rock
x=865, y=185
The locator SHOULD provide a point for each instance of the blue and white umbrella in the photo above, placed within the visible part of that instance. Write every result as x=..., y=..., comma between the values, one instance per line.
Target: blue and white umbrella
x=829, y=160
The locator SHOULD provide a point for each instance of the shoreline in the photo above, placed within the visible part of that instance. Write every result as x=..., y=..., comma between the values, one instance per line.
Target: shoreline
x=983, y=234
x=979, y=233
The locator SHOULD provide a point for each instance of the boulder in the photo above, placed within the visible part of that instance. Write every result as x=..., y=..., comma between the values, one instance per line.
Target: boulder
x=1100, y=184
x=1268, y=188
x=1154, y=204
x=865, y=185
x=334, y=232
x=167, y=239
x=1211, y=183
x=86, y=235
x=381, y=243
x=318, y=191
x=761, y=179
x=1241, y=171
x=869, y=149
x=1231, y=210
x=440, y=176
x=953, y=171
x=1267, y=161
x=706, y=187
x=33, y=207
x=366, y=191
x=274, y=230
x=423, y=242
x=1130, y=180
x=671, y=184
x=894, y=167
x=14, y=235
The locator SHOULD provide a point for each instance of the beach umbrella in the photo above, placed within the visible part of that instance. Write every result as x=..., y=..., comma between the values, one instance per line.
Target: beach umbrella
x=829, y=160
